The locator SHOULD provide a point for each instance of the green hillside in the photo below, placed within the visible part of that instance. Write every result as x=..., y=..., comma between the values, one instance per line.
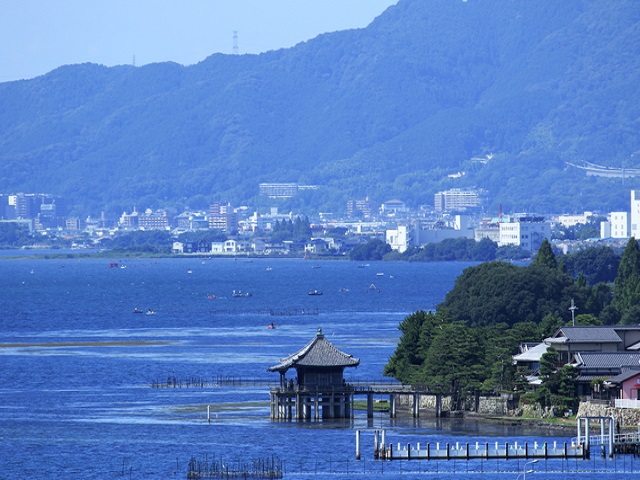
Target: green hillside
x=386, y=111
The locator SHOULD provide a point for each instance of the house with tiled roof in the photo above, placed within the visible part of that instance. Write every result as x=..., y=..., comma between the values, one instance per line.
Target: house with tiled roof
x=578, y=339
x=610, y=368
x=601, y=353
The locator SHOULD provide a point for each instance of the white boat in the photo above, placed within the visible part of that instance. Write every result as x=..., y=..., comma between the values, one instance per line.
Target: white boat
x=240, y=293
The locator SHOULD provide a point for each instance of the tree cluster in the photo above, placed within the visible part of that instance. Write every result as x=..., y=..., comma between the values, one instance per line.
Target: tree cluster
x=372, y=250
x=14, y=235
x=297, y=230
x=468, y=343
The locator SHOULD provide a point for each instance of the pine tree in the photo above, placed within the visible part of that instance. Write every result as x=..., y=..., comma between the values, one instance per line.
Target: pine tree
x=626, y=287
x=545, y=256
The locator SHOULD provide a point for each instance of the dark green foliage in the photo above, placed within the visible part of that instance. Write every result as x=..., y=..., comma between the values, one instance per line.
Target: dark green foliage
x=499, y=292
x=450, y=357
x=14, y=235
x=454, y=363
x=511, y=252
x=545, y=256
x=206, y=235
x=598, y=264
x=298, y=230
x=451, y=249
x=418, y=331
x=154, y=241
x=626, y=288
x=386, y=111
x=372, y=250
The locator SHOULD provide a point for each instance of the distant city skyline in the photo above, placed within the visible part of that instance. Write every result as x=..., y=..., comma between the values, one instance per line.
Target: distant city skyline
x=41, y=36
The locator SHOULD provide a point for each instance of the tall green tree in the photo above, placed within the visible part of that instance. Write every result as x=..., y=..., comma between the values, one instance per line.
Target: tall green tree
x=454, y=363
x=545, y=256
x=626, y=287
x=407, y=358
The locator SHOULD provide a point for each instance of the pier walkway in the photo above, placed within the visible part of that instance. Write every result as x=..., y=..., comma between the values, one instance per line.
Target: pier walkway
x=579, y=447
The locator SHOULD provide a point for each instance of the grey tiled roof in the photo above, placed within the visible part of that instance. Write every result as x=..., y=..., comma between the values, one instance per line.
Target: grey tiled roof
x=586, y=335
x=625, y=375
x=608, y=360
x=319, y=352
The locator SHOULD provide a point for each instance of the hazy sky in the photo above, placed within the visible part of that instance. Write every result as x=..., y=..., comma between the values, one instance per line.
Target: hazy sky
x=40, y=35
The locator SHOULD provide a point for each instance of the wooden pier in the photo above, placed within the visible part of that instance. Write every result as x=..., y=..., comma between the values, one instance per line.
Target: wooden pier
x=292, y=401
x=470, y=451
x=579, y=447
x=307, y=404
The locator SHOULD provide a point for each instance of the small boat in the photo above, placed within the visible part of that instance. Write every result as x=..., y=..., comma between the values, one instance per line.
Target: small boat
x=137, y=310
x=211, y=296
x=240, y=293
x=344, y=289
x=271, y=326
x=379, y=274
x=151, y=312
x=315, y=266
x=189, y=271
x=315, y=292
x=269, y=269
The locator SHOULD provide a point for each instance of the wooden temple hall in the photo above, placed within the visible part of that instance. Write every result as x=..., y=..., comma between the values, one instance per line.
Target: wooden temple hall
x=319, y=389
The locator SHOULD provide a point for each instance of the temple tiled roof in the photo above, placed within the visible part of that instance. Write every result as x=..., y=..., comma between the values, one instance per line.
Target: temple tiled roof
x=319, y=352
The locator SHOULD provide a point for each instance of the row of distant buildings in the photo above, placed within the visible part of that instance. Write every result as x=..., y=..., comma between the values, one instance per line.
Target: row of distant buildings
x=46, y=211
x=457, y=213
x=521, y=230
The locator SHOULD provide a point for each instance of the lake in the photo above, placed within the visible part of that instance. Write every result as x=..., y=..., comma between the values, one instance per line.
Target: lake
x=76, y=398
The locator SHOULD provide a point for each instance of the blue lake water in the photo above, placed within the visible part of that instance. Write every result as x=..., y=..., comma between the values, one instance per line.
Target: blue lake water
x=77, y=367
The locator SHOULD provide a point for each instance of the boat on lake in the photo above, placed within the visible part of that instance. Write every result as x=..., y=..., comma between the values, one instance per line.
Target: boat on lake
x=315, y=292
x=240, y=293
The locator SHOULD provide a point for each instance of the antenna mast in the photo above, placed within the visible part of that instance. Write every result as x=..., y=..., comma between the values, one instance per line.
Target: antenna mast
x=235, y=42
x=573, y=309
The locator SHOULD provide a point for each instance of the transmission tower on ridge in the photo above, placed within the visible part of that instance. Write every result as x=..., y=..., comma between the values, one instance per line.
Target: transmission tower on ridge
x=235, y=42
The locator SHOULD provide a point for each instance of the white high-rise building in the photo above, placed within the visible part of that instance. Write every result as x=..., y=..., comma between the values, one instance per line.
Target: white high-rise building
x=635, y=214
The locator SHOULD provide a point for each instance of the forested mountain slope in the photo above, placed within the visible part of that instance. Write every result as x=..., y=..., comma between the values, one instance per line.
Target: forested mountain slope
x=386, y=111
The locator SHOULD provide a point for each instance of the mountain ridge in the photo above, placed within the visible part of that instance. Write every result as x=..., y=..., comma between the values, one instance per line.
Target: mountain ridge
x=386, y=111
